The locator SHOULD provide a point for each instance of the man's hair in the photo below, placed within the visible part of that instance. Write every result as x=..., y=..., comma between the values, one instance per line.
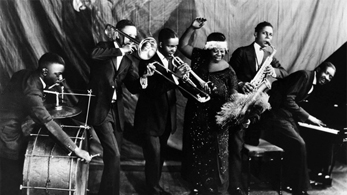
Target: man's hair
x=323, y=66
x=261, y=25
x=123, y=23
x=165, y=34
x=216, y=36
x=49, y=58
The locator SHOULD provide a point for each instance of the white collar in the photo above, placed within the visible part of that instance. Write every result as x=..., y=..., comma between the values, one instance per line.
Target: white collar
x=161, y=56
x=314, y=78
x=257, y=47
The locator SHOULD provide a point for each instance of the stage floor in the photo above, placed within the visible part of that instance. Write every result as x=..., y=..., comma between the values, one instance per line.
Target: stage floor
x=133, y=180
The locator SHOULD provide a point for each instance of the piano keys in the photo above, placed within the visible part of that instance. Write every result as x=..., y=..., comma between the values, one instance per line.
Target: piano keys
x=342, y=132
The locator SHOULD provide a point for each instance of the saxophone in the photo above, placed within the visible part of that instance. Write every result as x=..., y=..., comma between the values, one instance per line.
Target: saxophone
x=260, y=77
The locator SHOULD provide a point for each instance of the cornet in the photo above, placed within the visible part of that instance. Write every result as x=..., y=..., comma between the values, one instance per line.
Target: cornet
x=178, y=61
x=199, y=95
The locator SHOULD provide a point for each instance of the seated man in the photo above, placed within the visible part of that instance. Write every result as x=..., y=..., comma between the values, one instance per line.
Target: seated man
x=282, y=128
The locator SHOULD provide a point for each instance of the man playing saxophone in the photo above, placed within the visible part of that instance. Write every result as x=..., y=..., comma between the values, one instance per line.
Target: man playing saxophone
x=247, y=61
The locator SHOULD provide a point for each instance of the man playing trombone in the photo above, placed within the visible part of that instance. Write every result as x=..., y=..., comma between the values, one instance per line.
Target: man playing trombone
x=111, y=69
x=155, y=115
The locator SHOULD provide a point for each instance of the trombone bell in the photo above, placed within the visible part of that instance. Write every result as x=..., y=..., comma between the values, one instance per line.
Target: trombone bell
x=146, y=48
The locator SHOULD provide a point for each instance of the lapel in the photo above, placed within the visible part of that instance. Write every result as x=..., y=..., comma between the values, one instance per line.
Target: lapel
x=114, y=60
x=252, y=58
x=123, y=64
x=308, y=85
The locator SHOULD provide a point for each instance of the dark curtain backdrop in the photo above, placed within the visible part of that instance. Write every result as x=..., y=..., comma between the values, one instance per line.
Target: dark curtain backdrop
x=306, y=32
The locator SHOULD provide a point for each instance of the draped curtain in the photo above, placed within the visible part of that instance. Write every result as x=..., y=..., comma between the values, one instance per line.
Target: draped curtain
x=306, y=32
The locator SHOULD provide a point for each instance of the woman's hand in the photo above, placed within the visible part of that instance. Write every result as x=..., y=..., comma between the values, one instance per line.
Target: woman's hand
x=198, y=23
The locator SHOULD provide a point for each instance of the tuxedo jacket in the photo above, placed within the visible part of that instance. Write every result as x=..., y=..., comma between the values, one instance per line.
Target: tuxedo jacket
x=157, y=103
x=288, y=92
x=243, y=61
x=105, y=78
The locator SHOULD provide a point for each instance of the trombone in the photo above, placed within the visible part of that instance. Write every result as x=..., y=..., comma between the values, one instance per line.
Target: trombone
x=147, y=48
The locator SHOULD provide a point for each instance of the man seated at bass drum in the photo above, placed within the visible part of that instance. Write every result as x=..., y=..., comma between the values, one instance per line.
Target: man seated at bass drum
x=23, y=98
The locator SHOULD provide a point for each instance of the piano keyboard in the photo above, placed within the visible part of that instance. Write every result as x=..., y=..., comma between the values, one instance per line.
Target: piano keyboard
x=324, y=129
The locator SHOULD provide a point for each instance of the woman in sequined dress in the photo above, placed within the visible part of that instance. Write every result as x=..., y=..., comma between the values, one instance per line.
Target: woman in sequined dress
x=205, y=145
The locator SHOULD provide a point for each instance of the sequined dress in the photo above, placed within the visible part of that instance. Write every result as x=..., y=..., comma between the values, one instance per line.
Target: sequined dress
x=205, y=145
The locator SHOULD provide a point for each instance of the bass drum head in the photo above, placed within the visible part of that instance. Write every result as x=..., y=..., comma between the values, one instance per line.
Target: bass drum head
x=49, y=168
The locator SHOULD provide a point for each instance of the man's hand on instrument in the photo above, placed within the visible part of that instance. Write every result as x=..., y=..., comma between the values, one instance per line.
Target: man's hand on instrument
x=247, y=87
x=183, y=71
x=269, y=70
x=316, y=121
x=129, y=48
x=149, y=71
x=198, y=22
x=83, y=154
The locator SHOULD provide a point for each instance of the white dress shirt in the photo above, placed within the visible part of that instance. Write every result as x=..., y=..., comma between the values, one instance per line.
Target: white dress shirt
x=119, y=60
x=260, y=55
x=314, y=83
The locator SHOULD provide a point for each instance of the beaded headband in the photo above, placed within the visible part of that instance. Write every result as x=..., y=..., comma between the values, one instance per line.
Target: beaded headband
x=216, y=44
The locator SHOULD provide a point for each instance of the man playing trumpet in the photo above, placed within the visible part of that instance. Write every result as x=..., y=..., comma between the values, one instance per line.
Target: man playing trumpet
x=155, y=115
x=246, y=62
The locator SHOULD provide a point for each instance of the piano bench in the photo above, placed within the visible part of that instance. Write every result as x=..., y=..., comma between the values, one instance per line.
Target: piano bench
x=264, y=152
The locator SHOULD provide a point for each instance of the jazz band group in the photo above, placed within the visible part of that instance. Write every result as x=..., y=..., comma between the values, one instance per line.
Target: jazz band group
x=211, y=152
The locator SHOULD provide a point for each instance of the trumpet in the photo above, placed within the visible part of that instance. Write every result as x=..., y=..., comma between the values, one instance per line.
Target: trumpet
x=198, y=94
x=178, y=61
x=145, y=48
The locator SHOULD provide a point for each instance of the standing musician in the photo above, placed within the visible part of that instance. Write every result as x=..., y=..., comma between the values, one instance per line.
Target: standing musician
x=281, y=122
x=111, y=69
x=246, y=61
x=20, y=104
x=155, y=114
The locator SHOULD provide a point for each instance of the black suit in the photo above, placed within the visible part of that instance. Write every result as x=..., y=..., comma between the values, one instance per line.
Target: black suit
x=244, y=62
x=281, y=123
x=106, y=115
x=155, y=117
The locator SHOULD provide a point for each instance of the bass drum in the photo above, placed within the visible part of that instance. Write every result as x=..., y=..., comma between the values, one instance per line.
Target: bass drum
x=49, y=168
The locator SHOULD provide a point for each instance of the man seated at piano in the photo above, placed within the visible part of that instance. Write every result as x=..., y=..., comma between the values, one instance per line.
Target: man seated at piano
x=281, y=122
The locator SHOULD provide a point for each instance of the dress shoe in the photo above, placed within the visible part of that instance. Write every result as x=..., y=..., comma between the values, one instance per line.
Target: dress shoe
x=194, y=192
x=300, y=193
x=238, y=191
x=158, y=191
x=288, y=189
